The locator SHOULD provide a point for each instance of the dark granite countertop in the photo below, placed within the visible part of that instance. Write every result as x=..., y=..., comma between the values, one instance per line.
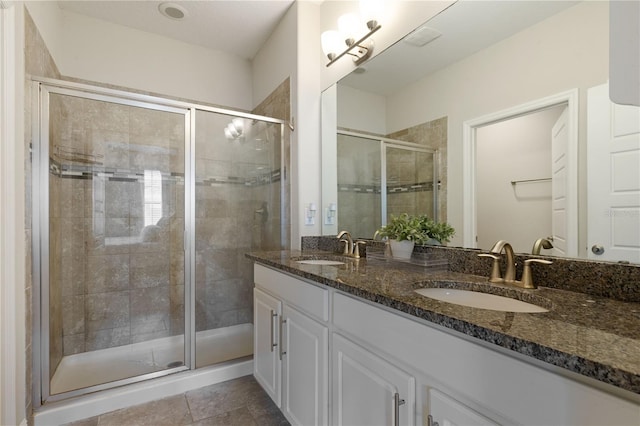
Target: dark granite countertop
x=593, y=336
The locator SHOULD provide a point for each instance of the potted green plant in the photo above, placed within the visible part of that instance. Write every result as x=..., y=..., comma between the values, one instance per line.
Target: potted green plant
x=435, y=233
x=405, y=231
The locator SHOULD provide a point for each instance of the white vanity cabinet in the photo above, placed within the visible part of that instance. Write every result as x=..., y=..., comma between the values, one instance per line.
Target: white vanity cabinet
x=459, y=381
x=291, y=345
x=446, y=411
x=384, y=362
x=267, y=312
x=368, y=390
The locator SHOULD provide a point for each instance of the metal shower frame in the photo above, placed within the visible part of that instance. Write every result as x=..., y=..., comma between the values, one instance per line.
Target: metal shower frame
x=41, y=89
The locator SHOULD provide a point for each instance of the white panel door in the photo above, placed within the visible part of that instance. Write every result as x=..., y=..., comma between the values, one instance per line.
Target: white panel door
x=364, y=388
x=305, y=389
x=613, y=178
x=559, y=216
x=266, y=342
x=446, y=411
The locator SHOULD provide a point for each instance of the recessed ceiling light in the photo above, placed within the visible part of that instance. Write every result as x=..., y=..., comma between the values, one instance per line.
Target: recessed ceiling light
x=173, y=11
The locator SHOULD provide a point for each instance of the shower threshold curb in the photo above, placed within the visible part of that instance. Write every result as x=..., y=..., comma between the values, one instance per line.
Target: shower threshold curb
x=138, y=393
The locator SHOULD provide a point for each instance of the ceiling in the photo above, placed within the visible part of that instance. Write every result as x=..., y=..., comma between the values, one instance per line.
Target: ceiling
x=466, y=27
x=237, y=27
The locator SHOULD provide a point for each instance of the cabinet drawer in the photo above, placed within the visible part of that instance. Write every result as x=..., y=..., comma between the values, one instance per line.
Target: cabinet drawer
x=309, y=298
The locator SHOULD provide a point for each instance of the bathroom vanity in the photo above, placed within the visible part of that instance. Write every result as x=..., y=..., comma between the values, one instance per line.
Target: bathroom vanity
x=353, y=343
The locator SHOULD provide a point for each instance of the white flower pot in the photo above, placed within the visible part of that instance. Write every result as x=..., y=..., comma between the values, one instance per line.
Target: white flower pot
x=401, y=249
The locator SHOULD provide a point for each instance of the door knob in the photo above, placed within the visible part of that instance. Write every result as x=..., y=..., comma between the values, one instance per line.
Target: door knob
x=597, y=249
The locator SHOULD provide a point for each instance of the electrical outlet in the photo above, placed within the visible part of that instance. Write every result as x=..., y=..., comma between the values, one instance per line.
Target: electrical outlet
x=328, y=218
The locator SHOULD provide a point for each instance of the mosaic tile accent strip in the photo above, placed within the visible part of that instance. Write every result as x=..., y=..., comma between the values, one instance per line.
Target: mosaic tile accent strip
x=391, y=189
x=75, y=171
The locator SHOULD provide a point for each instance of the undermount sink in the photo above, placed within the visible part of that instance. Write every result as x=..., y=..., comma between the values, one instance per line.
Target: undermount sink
x=476, y=299
x=321, y=262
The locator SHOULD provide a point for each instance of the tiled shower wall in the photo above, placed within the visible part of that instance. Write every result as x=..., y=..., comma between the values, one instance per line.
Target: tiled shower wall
x=432, y=134
x=278, y=105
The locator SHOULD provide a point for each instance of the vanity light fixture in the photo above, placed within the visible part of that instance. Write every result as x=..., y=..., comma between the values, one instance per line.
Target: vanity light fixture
x=360, y=47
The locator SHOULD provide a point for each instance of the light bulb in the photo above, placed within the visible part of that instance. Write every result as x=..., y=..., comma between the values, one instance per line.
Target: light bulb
x=331, y=43
x=238, y=124
x=349, y=26
x=372, y=11
x=227, y=133
x=232, y=130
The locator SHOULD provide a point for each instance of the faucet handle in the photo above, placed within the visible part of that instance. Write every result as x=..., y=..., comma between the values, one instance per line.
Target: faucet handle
x=346, y=246
x=495, y=267
x=356, y=248
x=527, y=276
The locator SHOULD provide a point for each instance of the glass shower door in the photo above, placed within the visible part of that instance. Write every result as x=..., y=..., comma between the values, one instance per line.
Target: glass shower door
x=112, y=241
x=410, y=182
x=359, y=182
x=238, y=189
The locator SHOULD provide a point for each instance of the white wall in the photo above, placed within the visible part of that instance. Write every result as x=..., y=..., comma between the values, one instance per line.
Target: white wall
x=516, y=149
x=306, y=107
x=360, y=110
x=275, y=61
x=12, y=217
x=569, y=50
x=101, y=51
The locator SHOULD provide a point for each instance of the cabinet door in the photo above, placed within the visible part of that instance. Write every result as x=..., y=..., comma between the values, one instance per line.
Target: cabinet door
x=305, y=364
x=267, y=312
x=446, y=411
x=367, y=390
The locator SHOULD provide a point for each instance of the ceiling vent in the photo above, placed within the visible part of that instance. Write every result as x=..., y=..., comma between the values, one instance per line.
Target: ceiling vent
x=422, y=36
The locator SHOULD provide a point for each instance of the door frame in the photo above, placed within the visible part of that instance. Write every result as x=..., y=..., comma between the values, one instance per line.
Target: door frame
x=469, y=210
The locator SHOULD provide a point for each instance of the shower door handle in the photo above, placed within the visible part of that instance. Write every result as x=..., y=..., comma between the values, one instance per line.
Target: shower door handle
x=274, y=315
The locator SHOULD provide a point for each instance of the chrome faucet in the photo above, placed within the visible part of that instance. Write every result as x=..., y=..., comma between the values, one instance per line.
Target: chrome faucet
x=510, y=272
x=351, y=249
x=542, y=243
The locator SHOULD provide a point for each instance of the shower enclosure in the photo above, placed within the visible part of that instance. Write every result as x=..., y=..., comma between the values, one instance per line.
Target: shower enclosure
x=380, y=177
x=143, y=210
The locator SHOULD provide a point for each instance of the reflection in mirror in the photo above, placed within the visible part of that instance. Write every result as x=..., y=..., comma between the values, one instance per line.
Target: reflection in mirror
x=380, y=177
x=481, y=59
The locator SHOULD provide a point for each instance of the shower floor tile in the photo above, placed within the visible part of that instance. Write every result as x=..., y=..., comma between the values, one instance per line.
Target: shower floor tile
x=108, y=365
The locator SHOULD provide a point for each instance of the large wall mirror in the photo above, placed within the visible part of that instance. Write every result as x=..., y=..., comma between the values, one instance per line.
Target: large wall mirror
x=510, y=100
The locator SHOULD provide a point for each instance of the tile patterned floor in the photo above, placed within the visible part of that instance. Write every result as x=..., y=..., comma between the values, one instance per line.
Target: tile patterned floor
x=240, y=402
